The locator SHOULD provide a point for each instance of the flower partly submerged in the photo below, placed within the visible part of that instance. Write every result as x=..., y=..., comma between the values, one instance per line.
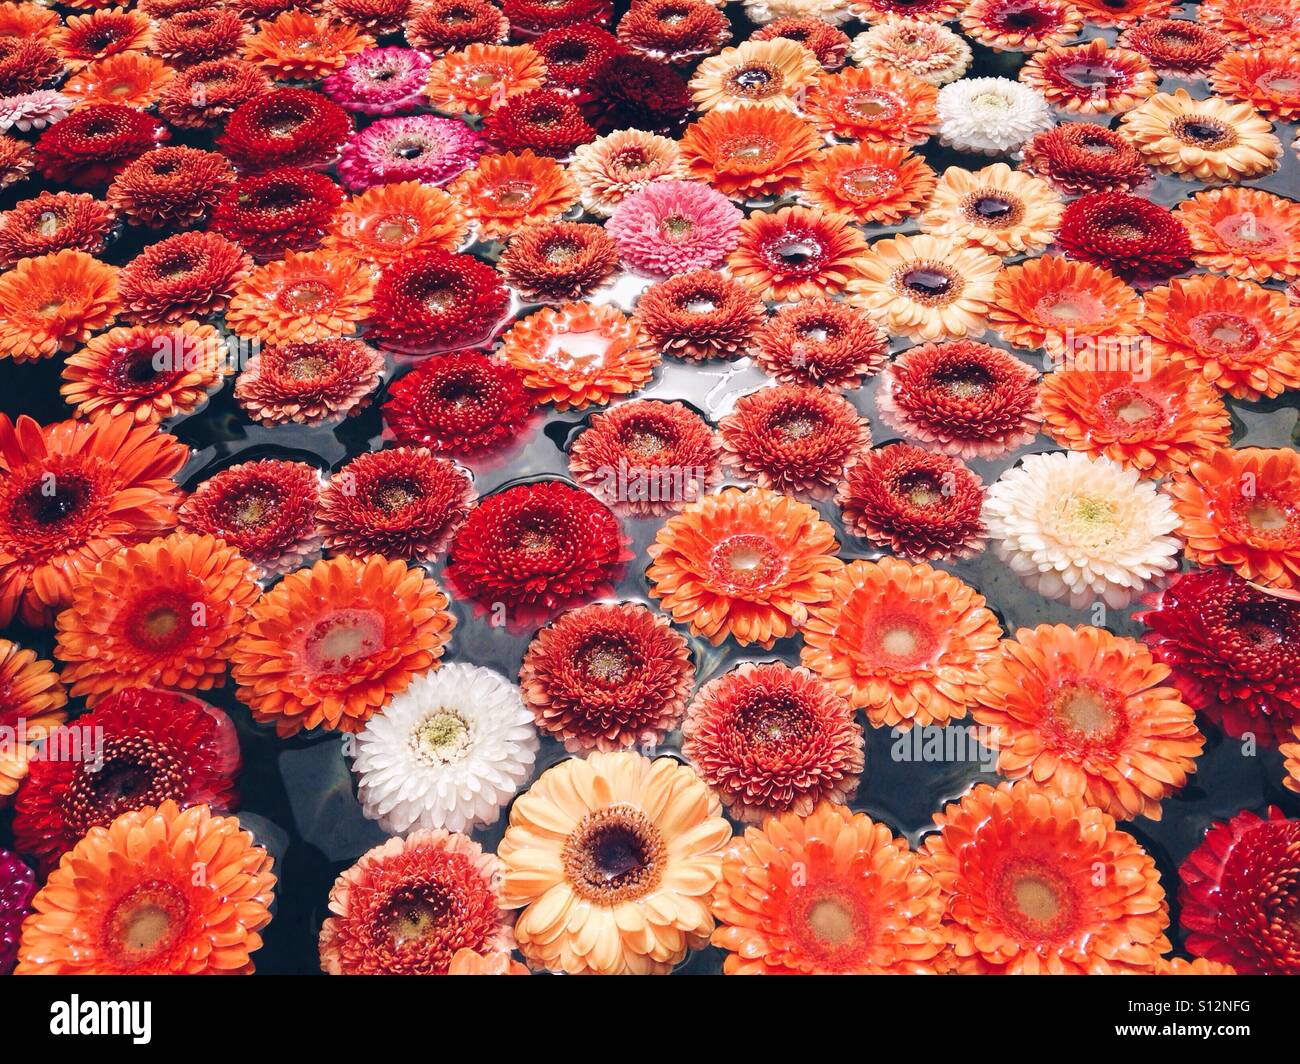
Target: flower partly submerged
x=17, y=888
x=774, y=73
x=796, y=253
x=868, y=182
x=1208, y=140
x=53, y=303
x=315, y=295
x=1246, y=232
x=1000, y=210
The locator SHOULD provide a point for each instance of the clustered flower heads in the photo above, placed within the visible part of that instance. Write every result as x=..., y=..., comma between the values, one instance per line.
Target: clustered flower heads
x=595, y=426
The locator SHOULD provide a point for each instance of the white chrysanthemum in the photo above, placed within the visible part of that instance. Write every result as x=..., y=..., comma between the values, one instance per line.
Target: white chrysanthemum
x=926, y=50
x=761, y=12
x=1082, y=529
x=990, y=115
x=448, y=752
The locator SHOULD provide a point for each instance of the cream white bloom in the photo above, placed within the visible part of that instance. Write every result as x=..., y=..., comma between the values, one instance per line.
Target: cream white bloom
x=990, y=115
x=1081, y=529
x=448, y=752
x=761, y=12
x=926, y=50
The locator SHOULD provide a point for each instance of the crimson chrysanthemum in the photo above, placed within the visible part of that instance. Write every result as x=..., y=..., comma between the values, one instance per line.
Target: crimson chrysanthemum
x=701, y=314
x=606, y=677
x=534, y=16
x=93, y=143
x=1129, y=235
x=189, y=275
x=308, y=382
x=199, y=35
x=1077, y=158
x=674, y=31
x=171, y=187
x=54, y=221
x=559, y=261
x=918, y=503
x=796, y=253
x=442, y=26
x=287, y=127
x=401, y=503
x=545, y=120
x=437, y=300
x=200, y=96
x=821, y=342
x=636, y=92
x=575, y=54
x=285, y=209
x=1175, y=47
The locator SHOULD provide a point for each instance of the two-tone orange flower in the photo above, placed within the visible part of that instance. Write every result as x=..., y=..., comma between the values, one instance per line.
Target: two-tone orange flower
x=868, y=182
x=299, y=46
x=306, y=296
x=503, y=193
x=748, y=151
x=130, y=79
x=796, y=253
x=874, y=103
x=477, y=78
x=388, y=221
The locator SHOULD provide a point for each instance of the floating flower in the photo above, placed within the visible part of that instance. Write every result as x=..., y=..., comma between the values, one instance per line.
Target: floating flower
x=1017, y=26
x=448, y=752
x=199, y=35
x=189, y=275
x=796, y=253
x=53, y=303
x=700, y=315
x=874, y=103
x=775, y=73
x=963, y=398
x=534, y=16
x=1251, y=22
x=990, y=115
x=1129, y=235
x=202, y=95
x=606, y=677
x=926, y=287
x=1291, y=751
x=868, y=182
x=33, y=110
x=17, y=161
x=748, y=151
x=1122, y=12
x=1037, y=882
x=503, y=193
x=467, y=962
x=408, y=906
x=919, y=504
x=104, y=32
x=287, y=127
x=609, y=169
x=746, y=564
x=171, y=188
x=442, y=26
x=821, y=342
x=926, y=50
x=1076, y=158
x=997, y=209
x=314, y=295
x=380, y=81
x=875, y=12
x=671, y=227
x=308, y=383
x=126, y=901
x=1267, y=79
x=633, y=92
x=1090, y=78
x=436, y=300
x=54, y=221
x=675, y=31
x=559, y=261
x=330, y=645
x=481, y=76
x=31, y=702
x=1081, y=529
x=832, y=893
x=299, y=46
x=421, y=148
x=165, y=612
x=1210, y=140
x=902, y=641
x=1175, y=47
x=576, y=54
x=130, y=79
x=91, y=145
x=647, y=458
x=1246, y=232
x=546, y=119
x=610, y=841
x=386, y=222
x=17, y=888
x=285, y=209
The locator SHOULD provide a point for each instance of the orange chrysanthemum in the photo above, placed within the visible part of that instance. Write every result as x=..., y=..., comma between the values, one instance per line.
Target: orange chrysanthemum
x=297, y=46
x=503, y=193
x=748, y=151
x=1242, y=338
x=164, y=613
x=747, y=564
x=833, y=893
x=1268, y=79
x=868, y=182
x=477, y=78
x=1081, y=709
x=874, y=103
x=579, y=354
x=1040, y=883
x=1156, y=421
x=130, y=78
x=796, y=253
x=1241, y=508
x=1122, y=12
x=306, y=296
x=126, y=900
x=902, y=641
x=389, y=221
x=31, y=699
x=329, y=645
x=54, y=302
x=1244, y=232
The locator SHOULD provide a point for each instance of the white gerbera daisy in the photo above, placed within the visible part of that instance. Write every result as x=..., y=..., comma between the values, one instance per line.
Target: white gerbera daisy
x=448, y=752
x=1081, y=529
x=990, y=115
x=761, y=12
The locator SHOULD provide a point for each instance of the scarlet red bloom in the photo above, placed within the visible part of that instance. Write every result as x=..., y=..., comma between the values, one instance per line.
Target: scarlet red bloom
x=535, y=16
x=574, y=54
x=288, y=127
x=796, y=253
x=401, y=503
x=1238, y=900
x=544, y=120
x=189, y=275
x=828, y=44
x=190, y=37
x=821, y=342
x=54, y=221
x=26, y=64
x=459, y=404
x=634, y=92
x=1080, y=157
x=308, y=382
x=674, y=30
x=202, y=95
x=917, y=503
x=104, y=32
x=1176, y=47
x=700, y=315
x=174, y=187
x=140, y=747
x=437, y=300
x=1128, y=235
x=559, y=261
x=94, y=142
x=442, y=26
x=286, y=209
x=540, y=545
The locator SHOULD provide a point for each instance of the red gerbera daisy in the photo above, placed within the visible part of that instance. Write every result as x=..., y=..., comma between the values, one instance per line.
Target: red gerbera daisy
x=700, y=315
x=94, y=142
x=917, y=503
x=559, y=261
x=828, y=44
x=1175, y=47
x=137, y=748
x=437, y=300
x=821, y=342
x=635, y=92
x=189, y=275
x=543, y=120
x=54, y=221
x=200, y=96
x=1076, y=158
x=107, y=31
x=308, y=382
x=172, y=187
x=674, y=31
x=286, y=209
x=441, y=26
x=574, y=54
x=190, y=37
x=535, y=16
x=1128, y=235
x=796, y=253
x=288, y=127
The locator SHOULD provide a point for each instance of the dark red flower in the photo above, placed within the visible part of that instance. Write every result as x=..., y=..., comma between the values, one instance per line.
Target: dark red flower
x=460, y=404
x=137, y=748
x=288, y=127
x=308, y=382
x=633, y=91
x=26, y=64
x=607, y=676
x=1234, y=650
x=821, y=342
x=537, y=16
x=94, y=142
x=574, y=54
x=919, y=504
x=1081, y=157
x=828, y=44
x=174, y=187
x=258, y=10
x=536, y=547
x=1176, y=47
x=559, y=261
x=205, y=93
x=1239, y=900
x=101, y=33
x=52, y=222
x=674, y=30
x=401, y=503
x=543, y=120
x=266, y=509
x=286, y=209
x=17, y=888
x=190, y=37
x=442, y=26
x=700, y=315
x=437, y=300
x=160, y=9
x=1128, y=235
x=189, y=275
x=376, y=17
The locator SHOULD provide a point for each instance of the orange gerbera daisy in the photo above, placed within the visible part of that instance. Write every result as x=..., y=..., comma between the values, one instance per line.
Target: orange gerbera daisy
x=24, y=19
x=1040, y=883
x=1055, y=302
x=1253, y=22
x=1268, y=79
x=54, y=302
x=146, y=372
x=297, y=46
x=1003, y=211
x=579, y=354
x=31, y=699
x=833, y=893
x=504, y=193
x=389, y=221
x=1082, y=710
x=796, y=253
x=1291, y=752
x=130, y=78
x=1195, y=966
x=1122, y=12
x=748, y=151
x=1245, y=232
x=1243, y=338
x=107, y=31
x=467, y=962
x=1241, y=508
x=329, y=645
x=71, y=494
x=306, y=296
x=874, y=103
x=868, y=182
x=1091, y=78
x=901, y=640
x=1156, y=421
x=479, y=77
x=126, y=899
x=164, y=613
x=747, y=564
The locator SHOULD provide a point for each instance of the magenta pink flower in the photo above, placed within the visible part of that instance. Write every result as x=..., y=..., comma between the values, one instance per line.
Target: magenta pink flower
x=671, y=227
x=380, y=81
x=420, y=148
